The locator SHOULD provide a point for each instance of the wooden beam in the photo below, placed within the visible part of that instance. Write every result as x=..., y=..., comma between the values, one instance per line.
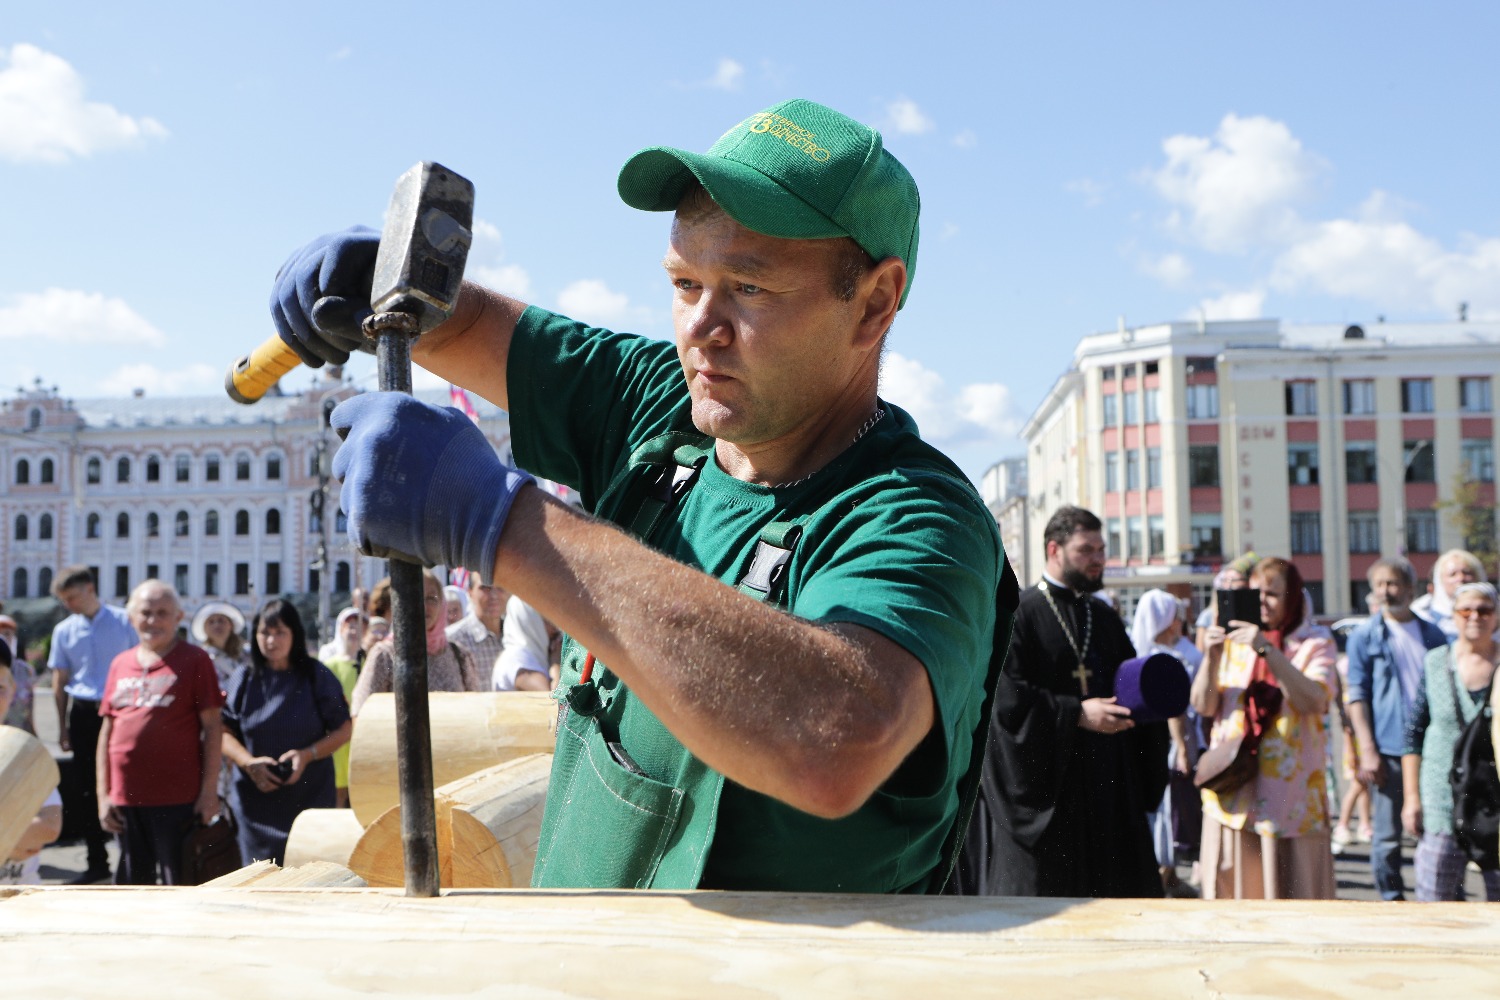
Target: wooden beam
x=336, y=943
x=28, y=774
x=322, y=835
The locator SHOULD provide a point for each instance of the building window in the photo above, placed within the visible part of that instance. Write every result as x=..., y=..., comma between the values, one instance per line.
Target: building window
x=153, y=572
x=91, y=528
x=1474, y=395
x=1132, y=470
x=1127, y=371
x=211, y=524
x=23, y=473
x=1302, y=464
x=153, y=525
x=122, y=525
x=18, y=582
x=1478, y=460
x=1301, y=399
x=314, y=581
x=1359, y=396
x=273, y=466
x=182, y=526
x=341, y=522
x=33, y=419
x=1421, y=467
x=1153, y=468
x=210, y=578
x=1132, y=538
x=44, y=528
x=211, y=469
x=1307, y=533
x=1151, y=367
x=1201, y=366
x=122, y=469
x=341, y=578
x=1110, y=403
x=1207, y=533
x=1153, y=404
x=184, y=471
x=44, y=582
x=1203, y=465
x=1132, y=408
x=1359, y=596
x=273, y=578
x=153, y=469
x=1111, y=472
x=1421, y=531
x=1156, y=536
x=1107, y=373
x=1315, y=593
x=180, y=578
x=1364, y=532
x=242, y=522
x=23, y=528
x=1112, y=537
x=122, y=581
x=242, y=578
x=1359, y=462
x=242, y=467
x=94, y=471
x=1416, y=395
x=1202, y=402
x=273, y=521
x=49, y=469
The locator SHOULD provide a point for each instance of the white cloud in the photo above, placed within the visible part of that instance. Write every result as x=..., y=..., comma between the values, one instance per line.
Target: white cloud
x=1172, y=269
x=422, y=379
x=949, y=230
x=590, y=301
x=1091, y=191
x=62, y=316
x=1235, y=305
x=512, y=279
x=978, y=412
x=1238, y=187
x=339, y=55
x=45, y=119
x=729, y=75
x=194, y=380
x=903, y=116
x=966, y=139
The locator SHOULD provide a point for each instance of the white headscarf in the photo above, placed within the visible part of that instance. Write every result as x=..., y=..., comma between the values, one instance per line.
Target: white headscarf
x=1153, y=613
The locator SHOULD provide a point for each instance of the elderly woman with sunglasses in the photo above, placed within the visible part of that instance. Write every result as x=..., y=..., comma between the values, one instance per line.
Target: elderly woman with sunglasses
x=1456, y=686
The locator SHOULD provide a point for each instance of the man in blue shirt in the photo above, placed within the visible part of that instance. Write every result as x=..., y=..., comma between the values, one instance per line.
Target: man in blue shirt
x=1385, y=672
x=83, y=644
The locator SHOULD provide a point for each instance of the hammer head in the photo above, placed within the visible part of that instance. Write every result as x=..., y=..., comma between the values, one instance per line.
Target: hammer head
x=425, y=244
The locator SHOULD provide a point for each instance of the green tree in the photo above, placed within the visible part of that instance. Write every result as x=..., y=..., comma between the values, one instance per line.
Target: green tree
x=1474, y=519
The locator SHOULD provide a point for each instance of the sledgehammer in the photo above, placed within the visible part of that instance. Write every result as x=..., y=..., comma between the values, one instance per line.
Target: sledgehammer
x=419, y=269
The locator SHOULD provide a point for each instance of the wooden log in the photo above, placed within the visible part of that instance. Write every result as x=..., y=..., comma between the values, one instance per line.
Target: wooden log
x=470, y=732
x=248, y=875
x=313, y=875
x=167, y=943
x=28, y=774
x=322, y=835
x=488, y=825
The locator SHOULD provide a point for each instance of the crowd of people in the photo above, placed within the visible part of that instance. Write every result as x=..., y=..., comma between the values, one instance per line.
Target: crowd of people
x=175, y=725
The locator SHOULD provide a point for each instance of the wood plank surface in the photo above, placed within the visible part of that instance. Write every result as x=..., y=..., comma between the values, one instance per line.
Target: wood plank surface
x=28, y=774
x=267, y=944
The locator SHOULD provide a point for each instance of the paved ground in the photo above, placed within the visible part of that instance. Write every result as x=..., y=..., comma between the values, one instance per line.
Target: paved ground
x=62, y=861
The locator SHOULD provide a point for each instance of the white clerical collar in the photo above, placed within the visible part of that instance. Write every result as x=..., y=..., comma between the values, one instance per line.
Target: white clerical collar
x=1062, y=586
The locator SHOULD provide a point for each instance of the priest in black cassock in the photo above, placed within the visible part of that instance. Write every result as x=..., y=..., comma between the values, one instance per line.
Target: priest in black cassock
x=1070, y=778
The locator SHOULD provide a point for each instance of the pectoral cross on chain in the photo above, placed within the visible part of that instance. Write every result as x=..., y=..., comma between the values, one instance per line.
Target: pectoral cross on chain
x=1080, y=649
x=1083, y=674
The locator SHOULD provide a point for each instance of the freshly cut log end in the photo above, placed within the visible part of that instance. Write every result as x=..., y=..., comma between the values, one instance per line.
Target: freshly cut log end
x=28, y=774
x=322, y=835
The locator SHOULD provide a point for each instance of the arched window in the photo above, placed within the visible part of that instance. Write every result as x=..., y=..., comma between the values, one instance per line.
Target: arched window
x=49, y=469
x=22, y=528
x=44, y=582
x=211, y=469
x=122, y=525
x=341, y=577
x=153, y=525
x=184, y=468
x=91, y=529
x=242, y=467
x=153, y=469
x=273, y=466
x=18, y=583
x=242, y=522
x=34, y=419
x=44, y=531
x=211, y=524
x=95, y=471
x=122, y=469
x=181, y=527
x=273, y=521
x=23, y=472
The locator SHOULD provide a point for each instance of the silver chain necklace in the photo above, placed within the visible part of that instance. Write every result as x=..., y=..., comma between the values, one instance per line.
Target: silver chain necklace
x=864, y=429
x=1082, y=673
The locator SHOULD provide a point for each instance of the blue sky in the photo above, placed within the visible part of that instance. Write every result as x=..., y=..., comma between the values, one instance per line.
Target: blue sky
x=1078, y=162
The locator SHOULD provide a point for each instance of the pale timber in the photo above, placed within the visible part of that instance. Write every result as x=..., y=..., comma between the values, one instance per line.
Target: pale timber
x=28, y=774
x=269, y=944
x=322, y=835
x=470, y=732
x=488, y=826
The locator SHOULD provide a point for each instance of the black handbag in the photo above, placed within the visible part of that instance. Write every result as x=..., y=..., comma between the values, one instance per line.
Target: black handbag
x=210, y=850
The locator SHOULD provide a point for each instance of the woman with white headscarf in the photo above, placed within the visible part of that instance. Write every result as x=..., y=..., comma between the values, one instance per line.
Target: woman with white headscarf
x=1156, y=629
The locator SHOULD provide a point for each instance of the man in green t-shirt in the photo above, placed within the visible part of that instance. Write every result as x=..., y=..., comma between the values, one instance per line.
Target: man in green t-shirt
x=774, y=675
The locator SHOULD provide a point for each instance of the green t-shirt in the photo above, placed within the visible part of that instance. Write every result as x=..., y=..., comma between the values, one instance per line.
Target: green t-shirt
x=898, y=542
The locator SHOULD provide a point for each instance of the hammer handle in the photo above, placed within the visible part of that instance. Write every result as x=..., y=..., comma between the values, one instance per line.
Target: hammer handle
x=252, y=376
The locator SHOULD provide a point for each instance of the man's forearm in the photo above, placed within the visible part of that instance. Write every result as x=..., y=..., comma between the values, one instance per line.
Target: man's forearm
x=472, y=348
x=213, y=752
x=60, y=697
x=101, y=761
x=1364, y=733
x=815, y=717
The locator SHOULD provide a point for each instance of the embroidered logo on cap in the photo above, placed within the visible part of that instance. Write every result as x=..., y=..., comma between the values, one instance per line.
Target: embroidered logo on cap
x=765, y=122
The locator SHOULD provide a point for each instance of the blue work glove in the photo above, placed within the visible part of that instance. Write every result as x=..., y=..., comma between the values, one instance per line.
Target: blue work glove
x=421, y=483
x=322, y=294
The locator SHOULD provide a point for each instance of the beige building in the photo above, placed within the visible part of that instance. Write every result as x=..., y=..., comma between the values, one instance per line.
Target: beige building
x=1331, y=445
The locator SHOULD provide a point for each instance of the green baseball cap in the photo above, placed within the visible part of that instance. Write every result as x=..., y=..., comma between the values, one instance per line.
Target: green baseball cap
x=797, y=170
